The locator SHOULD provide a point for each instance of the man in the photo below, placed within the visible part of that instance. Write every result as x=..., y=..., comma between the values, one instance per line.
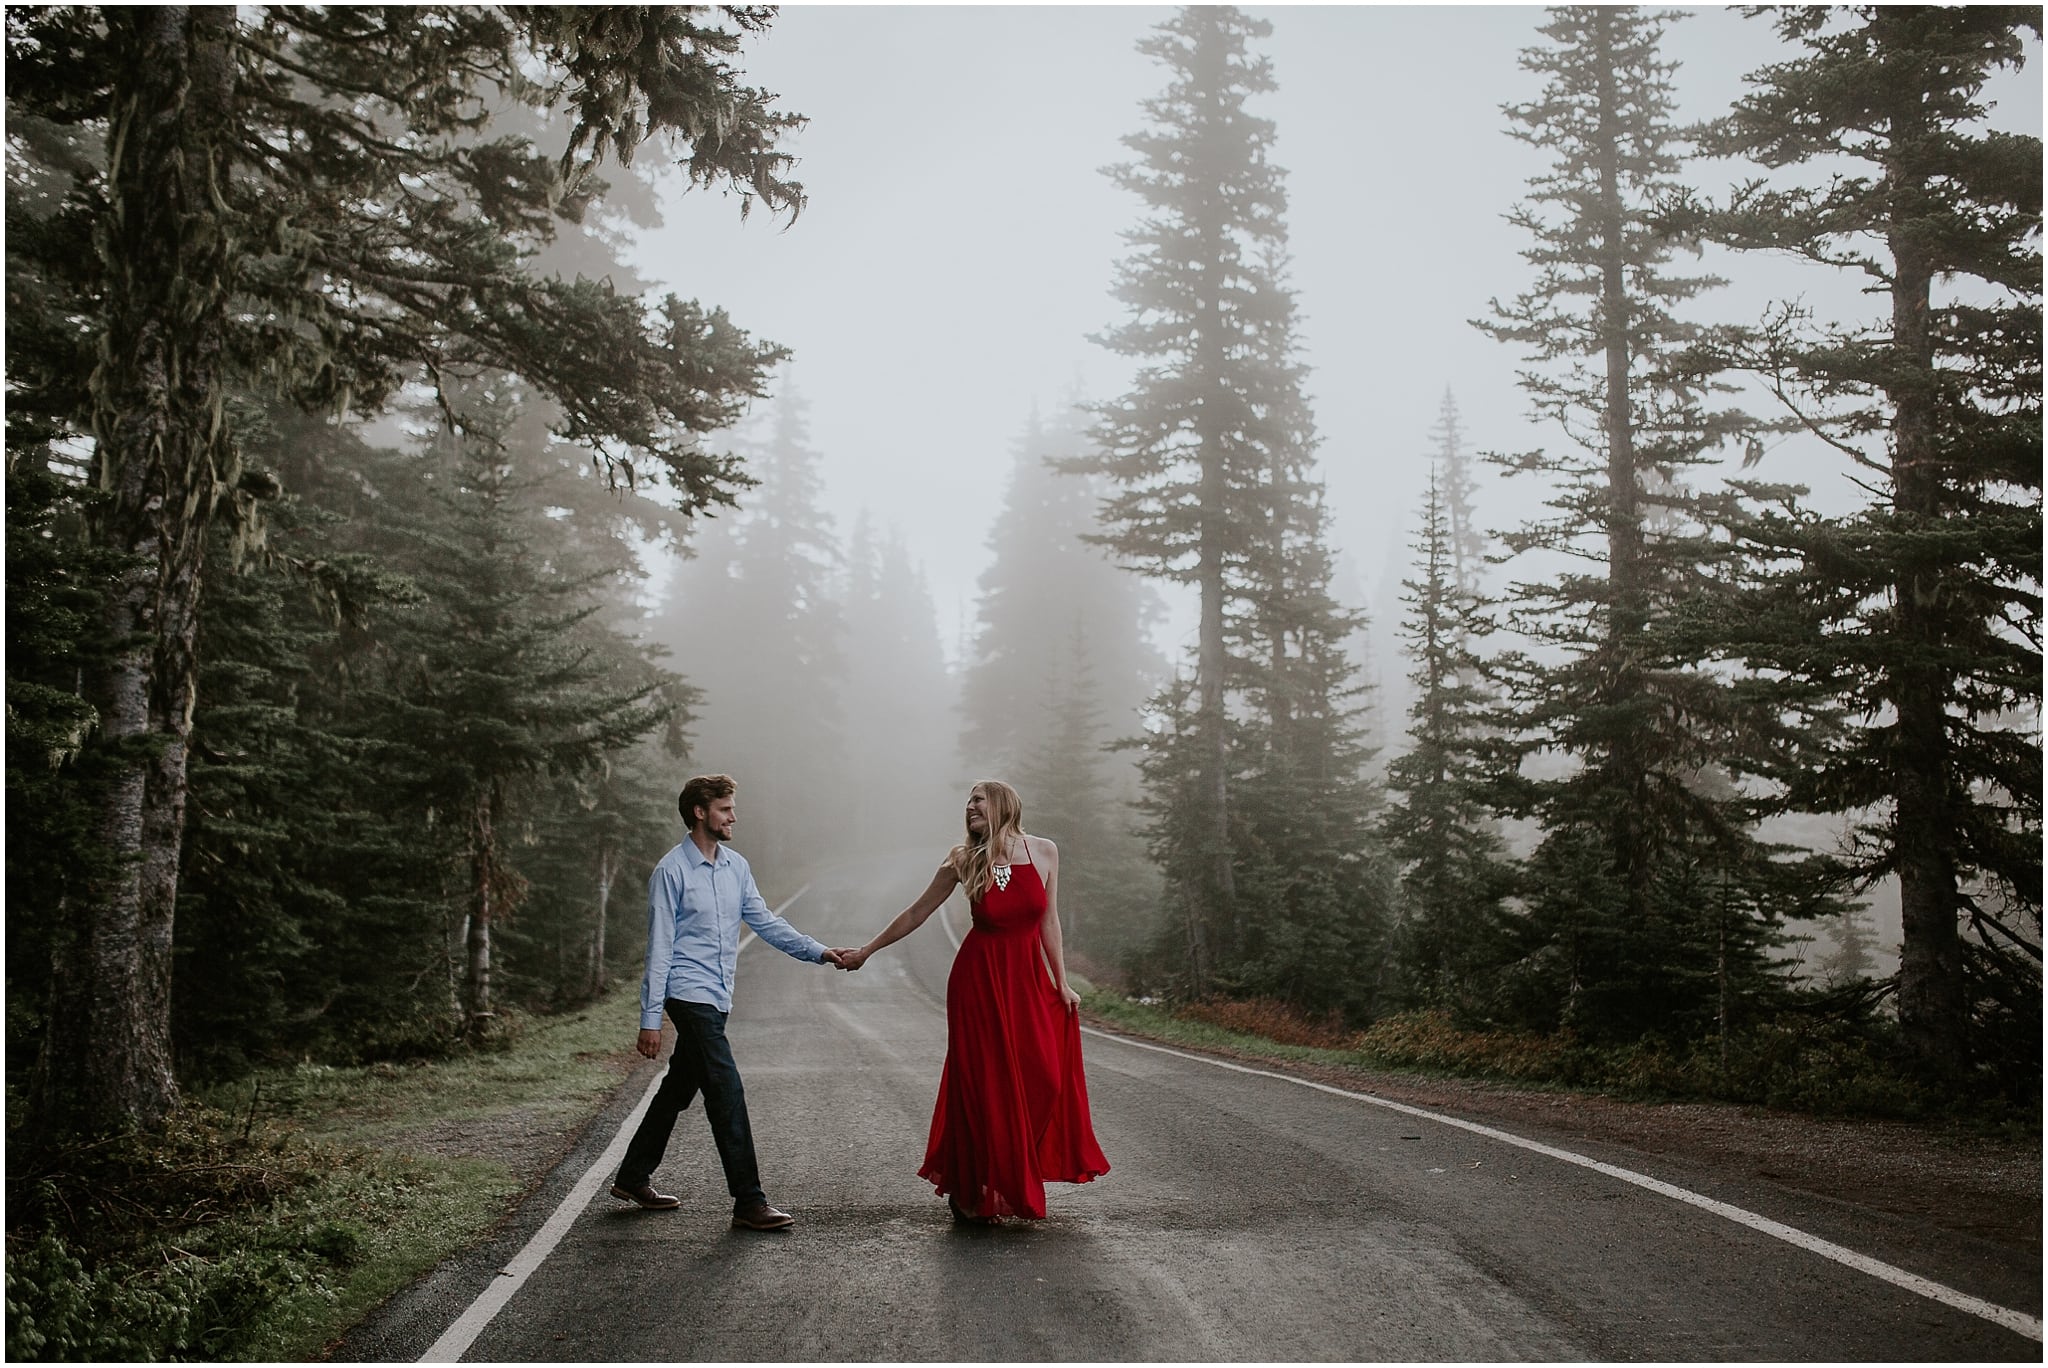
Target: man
x=697, y=898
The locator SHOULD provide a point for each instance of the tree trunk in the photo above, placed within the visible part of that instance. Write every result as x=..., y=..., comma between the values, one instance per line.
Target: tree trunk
x=1215, y=732
x=164, y=463
x=1933, y=1006
x=1208, y=372
x=607, y=871
x=1721, y=971
x=1198, y=951
x=1626, y=612
x=483, y=898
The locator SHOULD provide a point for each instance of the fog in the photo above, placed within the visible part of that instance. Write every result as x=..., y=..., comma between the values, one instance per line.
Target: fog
x=956, y=254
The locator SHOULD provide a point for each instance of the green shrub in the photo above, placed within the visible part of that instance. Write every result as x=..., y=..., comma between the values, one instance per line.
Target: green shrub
x=1825, y=1065
x=263, y=1225
x=195, y=1307
x=1431, y=1040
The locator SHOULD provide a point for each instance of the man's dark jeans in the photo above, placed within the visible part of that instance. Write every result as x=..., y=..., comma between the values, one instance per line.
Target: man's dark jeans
x=702, y=1063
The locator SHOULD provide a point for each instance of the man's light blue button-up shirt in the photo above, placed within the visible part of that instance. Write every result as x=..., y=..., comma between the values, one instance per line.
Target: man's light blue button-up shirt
x=694, y=910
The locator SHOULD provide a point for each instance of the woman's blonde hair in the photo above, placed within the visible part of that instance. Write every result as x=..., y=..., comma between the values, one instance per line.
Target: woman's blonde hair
x=976, y=859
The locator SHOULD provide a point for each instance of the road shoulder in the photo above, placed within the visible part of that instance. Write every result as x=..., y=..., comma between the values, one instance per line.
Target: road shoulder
x=1975, y=1189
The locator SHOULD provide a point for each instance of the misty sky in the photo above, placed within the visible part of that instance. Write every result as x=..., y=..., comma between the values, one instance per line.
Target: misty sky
x=959, y=243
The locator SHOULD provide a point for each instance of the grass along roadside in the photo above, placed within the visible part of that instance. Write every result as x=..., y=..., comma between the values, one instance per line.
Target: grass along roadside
x=455, y=1142
x=364, y=1178
x=1159, y=1023
x=1810, y=1065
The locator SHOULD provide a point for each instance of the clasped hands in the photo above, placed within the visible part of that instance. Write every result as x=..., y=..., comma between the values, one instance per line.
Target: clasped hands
x=855, y=958
x=847, y=959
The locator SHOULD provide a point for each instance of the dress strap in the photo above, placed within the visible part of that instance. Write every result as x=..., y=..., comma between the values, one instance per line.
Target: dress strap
x=1031, y=859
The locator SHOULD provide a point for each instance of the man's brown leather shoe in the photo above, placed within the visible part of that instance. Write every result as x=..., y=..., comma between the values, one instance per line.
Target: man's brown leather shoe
x=646, y=1196
x=762, y=1217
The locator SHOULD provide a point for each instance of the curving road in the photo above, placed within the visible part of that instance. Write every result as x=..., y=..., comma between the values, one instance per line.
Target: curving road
x=1247, y=1217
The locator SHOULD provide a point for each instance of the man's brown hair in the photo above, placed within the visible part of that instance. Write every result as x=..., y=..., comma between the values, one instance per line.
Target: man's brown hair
x=702, y=792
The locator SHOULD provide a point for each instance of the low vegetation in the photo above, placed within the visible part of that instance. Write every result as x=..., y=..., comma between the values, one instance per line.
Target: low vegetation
x=1825, y=1066
x=272, y=1215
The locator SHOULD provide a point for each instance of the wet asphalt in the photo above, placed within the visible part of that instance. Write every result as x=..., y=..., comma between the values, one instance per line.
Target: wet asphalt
x=1245, y=1218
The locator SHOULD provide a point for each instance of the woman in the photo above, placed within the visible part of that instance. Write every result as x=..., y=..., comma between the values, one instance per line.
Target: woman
x=1012, y=1113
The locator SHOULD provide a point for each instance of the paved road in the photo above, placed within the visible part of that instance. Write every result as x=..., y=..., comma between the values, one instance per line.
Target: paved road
x=1245, y=1218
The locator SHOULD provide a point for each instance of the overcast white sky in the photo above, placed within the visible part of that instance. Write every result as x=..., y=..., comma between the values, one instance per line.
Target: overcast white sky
x=959, y=242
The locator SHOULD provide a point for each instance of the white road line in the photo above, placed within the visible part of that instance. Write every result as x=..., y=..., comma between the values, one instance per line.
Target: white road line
x=2017, y=1321
x=457, y=1338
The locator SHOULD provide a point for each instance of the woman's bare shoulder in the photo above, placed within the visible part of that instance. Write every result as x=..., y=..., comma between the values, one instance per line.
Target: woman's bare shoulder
x=1041, y=848
x=955, y=861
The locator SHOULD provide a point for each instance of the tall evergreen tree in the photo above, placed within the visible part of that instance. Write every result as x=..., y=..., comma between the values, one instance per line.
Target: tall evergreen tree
x=596, y=837
x=1313, y=921
x=896, y=697
x=755, y=621
x=1451, y=463
x=310, y=893
x=1045, y=585
x=1081, y=792
x=594, y=826
x=1211, y=452
x=1920, y=611
x=1190, y=444
x=1441, y=828
x=307, y=908
x=1608, y=689
x=1853, y=955
x=321, y=875
x=222, y=242
x=497, y=685
x=1061, y=669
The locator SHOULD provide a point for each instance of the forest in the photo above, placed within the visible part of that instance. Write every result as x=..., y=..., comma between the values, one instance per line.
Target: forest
x=383, y=552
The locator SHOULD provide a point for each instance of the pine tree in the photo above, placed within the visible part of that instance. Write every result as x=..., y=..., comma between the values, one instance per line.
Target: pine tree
x=755, y=622
x=494, y=686
x=1452, y=465
x=309, y=891
x=1313, y=923
x=1608, y=688
x=1919, y=613
x=1442, y=829
x=224, y=244
x=595, y=829
x=896, y=697
x=261, y=922
x=55, y=588
x=1852, y=956
x=1080, y=792
x=1190, y=444
x=597, y=836
x=1061, y=670
x=1044, y=586
x=1211, y=453
x=320, y=875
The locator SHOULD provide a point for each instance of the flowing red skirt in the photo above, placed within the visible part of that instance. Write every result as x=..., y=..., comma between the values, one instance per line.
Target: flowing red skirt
x=1012, y=1113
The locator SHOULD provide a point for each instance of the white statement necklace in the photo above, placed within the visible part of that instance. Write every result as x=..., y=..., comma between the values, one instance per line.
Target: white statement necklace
x=1001, y=874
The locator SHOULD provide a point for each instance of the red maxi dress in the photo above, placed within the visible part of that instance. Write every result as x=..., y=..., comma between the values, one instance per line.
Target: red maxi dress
x=1012, y=1113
